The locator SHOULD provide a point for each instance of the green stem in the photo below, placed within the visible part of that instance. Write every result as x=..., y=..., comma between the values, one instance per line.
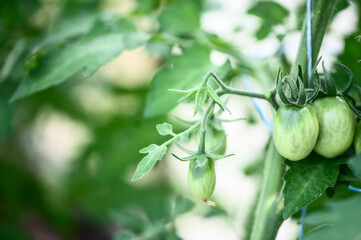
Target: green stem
x=230, y=90
x=203, y=130
x=268, y=214
x=177, y=136
x=321, y=17
x=234, y=91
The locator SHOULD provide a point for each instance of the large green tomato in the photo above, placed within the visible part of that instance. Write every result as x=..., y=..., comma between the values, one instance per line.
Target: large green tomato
x=202, y=177
x=295, y=131
x=337, y=126
x=358, y=138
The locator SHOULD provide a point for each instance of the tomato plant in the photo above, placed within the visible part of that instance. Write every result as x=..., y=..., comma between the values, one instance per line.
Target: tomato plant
x=100, y=99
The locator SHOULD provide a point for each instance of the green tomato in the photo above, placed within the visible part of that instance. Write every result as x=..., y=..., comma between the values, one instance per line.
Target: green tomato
x=337, y=126
x=213, y=138
x=202, y=177
x=358, y=138
x=295, y=131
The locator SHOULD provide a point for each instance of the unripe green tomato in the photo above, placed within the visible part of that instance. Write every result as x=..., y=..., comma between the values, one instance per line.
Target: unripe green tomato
x=213, y=138
x=295, y=131
x=202, y=178
x=337, y=126
x=358, y=138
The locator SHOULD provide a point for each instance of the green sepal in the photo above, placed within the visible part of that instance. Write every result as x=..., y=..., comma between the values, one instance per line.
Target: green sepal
x=185, y=159
x=217, y=99
x=185, y=149
x=330, y=83
x=279, y=88
x=201, y=98
x=190, y=93
x=291, y=83
x=355, y=110
x=218, y=157
x=350, y=79
x=302, y=98
x=218, y=145
x=313, y=93
x=202, y=159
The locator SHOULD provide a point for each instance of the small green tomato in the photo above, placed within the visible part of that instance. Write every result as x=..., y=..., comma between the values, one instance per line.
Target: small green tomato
x=337, y=126
x=202, y=177
x=295, y=131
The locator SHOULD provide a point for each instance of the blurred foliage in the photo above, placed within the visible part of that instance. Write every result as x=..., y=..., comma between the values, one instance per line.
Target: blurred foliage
x=48, y=48
x=271, y=13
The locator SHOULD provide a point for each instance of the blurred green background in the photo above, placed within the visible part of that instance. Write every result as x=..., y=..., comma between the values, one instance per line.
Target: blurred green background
x=67, y=153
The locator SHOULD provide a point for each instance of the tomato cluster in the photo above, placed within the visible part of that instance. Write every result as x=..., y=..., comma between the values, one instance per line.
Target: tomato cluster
x=327, y=127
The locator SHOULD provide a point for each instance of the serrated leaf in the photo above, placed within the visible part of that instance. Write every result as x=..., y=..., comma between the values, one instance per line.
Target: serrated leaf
x=165, y=129
x=179, y=72
x=86, y=55
x=155, y=153
x=306, y=180
x=340, y=219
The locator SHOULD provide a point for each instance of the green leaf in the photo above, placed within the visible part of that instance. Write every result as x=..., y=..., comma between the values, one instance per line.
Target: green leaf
x=180, y=16
x=155, y=153
x=340, y=219
x=179, y=72
x=271, y=14
x=306, y=180
x=69, y=27
x=165, y=129
x=355, y=163
x=86, y=55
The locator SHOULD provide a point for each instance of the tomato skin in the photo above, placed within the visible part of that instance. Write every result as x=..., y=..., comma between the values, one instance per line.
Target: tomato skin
x=358, y=138
x=337, y=126
x=202, y=177
x=295, y=131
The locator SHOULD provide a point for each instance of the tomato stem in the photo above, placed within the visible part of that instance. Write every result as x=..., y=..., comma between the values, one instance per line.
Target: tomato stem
x=229, y=90
x=203, y=130
x=268, y=212
x=177, y=136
